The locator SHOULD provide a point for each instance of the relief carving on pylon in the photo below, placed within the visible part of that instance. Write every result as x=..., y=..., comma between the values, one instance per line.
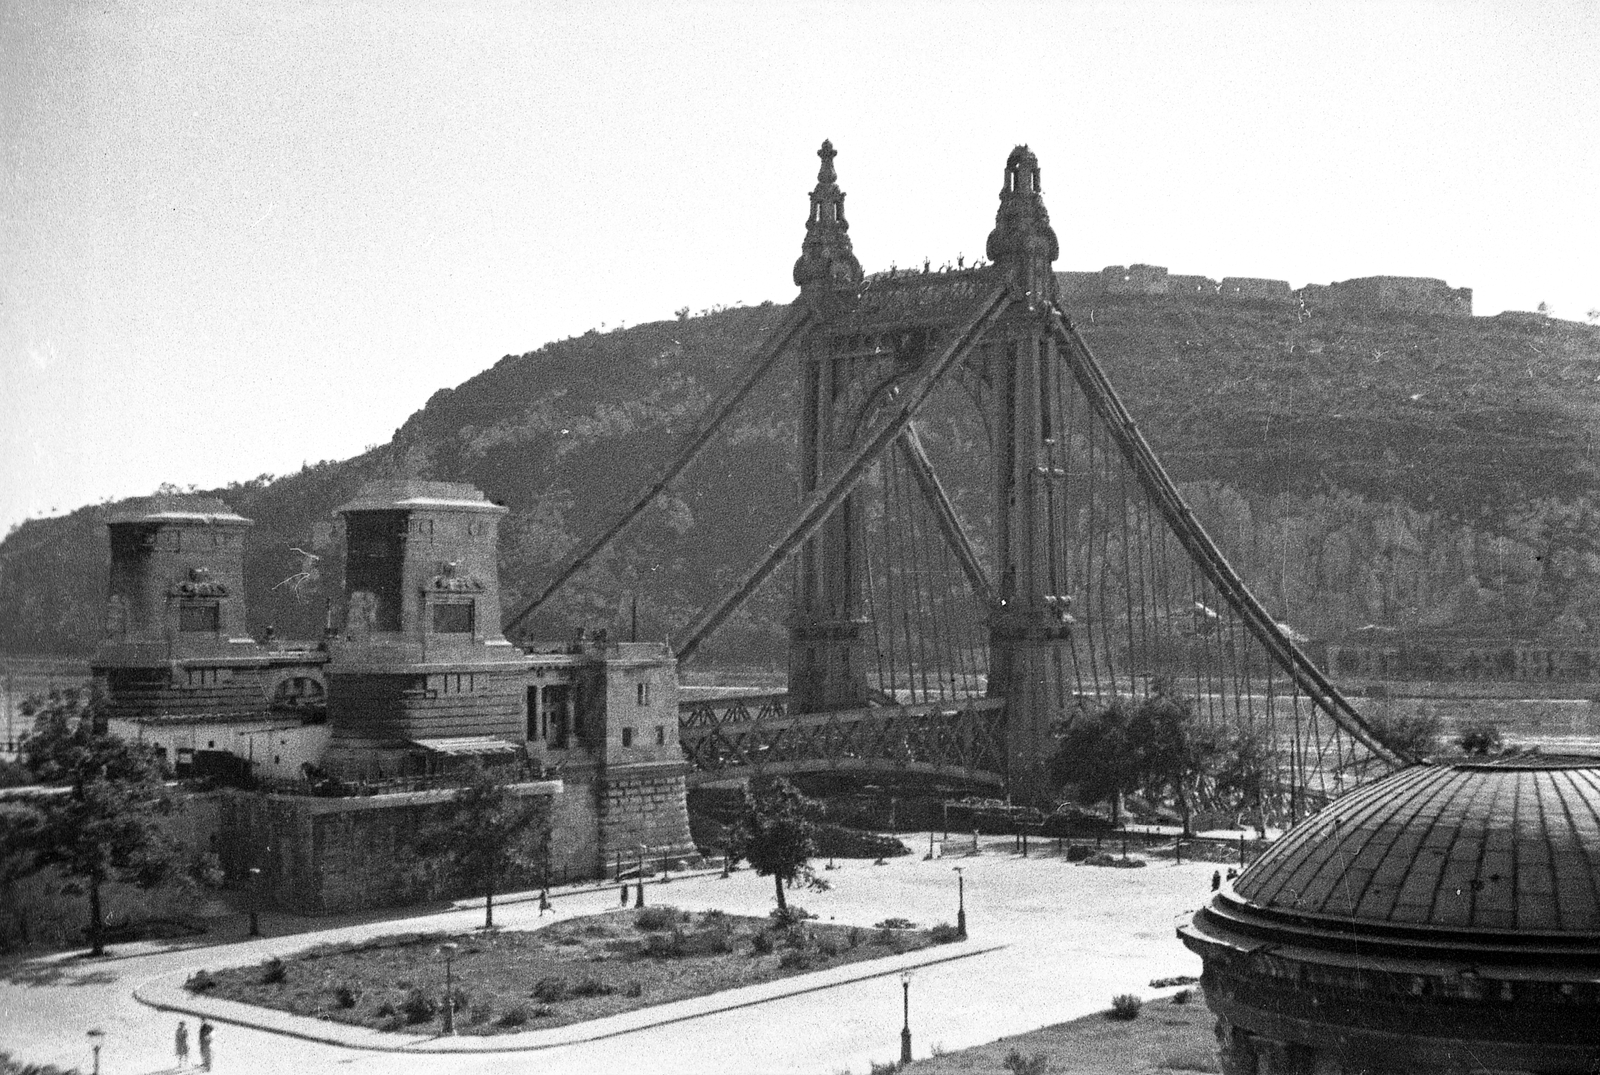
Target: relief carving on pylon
x=199, y=583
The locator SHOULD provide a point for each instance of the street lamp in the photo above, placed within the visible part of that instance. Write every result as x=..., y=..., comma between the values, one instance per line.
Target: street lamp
x=95, y=1036
x=905, y=1029
x=638, y=898
x=961, y=903
x=255, y=901
x=449, y=950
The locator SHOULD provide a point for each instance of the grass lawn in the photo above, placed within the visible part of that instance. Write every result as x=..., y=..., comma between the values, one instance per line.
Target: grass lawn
x=1167, y=1036
x=567, y=972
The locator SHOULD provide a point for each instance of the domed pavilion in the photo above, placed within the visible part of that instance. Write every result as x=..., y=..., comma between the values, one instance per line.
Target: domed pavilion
x=1443, y=918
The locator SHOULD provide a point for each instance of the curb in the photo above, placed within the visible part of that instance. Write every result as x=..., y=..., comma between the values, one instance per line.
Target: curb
x=166, y=993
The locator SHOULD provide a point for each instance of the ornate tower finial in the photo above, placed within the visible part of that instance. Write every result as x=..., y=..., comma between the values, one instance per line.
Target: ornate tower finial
x=826, y=259
x=1022, y=238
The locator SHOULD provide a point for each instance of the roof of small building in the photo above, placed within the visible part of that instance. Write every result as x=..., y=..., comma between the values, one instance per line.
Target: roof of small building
x=414, y=495
x=176, y=509
x=1509, y=845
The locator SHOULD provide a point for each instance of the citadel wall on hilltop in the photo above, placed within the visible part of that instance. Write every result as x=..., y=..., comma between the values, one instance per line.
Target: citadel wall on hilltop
x=1390, y=294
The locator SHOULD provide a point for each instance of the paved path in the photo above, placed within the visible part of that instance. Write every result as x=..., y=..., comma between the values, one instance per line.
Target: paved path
x=1072, y=937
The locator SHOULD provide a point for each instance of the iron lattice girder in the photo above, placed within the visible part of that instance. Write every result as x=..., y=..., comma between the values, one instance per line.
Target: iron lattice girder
x=964, y=740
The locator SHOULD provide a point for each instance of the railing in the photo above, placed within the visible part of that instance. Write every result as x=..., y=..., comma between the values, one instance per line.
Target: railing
x=727, y=737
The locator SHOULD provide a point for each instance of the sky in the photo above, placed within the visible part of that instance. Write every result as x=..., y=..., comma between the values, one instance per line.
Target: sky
x=238, y=238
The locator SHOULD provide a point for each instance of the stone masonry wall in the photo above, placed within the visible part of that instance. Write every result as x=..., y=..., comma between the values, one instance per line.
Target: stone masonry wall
x=327, y=856
x=644, y=805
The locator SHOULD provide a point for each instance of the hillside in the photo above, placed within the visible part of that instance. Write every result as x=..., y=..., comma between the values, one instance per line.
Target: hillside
x=1410, y=470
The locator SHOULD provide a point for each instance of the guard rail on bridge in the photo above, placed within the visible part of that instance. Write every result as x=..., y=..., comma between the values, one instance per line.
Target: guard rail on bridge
x=727, y=740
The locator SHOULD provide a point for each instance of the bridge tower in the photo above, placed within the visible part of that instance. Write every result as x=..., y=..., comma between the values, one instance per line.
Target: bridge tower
x=1028, y=628
x=827, y=629
x=868, y=344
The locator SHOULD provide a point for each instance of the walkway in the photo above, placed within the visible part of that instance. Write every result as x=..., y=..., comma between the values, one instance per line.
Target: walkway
x=1072, y=936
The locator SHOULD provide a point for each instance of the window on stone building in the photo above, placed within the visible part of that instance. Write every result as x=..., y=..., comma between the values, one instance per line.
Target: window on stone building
x=661, y=735
x=199, y=616
x=627, y=737
x=644, y=694
x=454, y=618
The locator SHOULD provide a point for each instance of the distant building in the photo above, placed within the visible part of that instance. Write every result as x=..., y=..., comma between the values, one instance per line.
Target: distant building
x=1391, y=294
x=1379, y=294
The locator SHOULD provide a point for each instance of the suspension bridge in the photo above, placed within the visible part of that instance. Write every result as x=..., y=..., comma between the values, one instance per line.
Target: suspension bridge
x=930, y=641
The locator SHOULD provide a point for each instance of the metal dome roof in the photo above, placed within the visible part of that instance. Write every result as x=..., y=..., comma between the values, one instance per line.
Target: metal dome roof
x=1506, y=846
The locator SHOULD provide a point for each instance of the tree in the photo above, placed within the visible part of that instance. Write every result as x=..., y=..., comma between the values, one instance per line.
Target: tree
x=1171, y=749
x=1413, y=735
x=108, y=827
x=1242, y=775
x=776, y=832
x=1481, y=737
x=1096, y=755
x=485, y=831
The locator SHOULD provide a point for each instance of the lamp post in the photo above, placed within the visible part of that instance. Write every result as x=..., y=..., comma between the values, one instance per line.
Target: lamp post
x=448, y=949
x=255, y=901
x=905, y=1028
x=961, y=903
x=638, y=896
x=95, y=1037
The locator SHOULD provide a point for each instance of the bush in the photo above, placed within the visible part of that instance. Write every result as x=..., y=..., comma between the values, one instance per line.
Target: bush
x=672, y=945
x=761, y=943
x=944, y=933
x=549, y=990
x=634, y=989
x=853, y=937
x=837, y=841
x=384, y=1010
x=827, y=947
x=1078, y=852
x=1480, y=737
x=1183, y=996
x=592, y=987
x=1125, y=1006
x=200, y=981
x=513, y=1016
x=792, y=915
x=418, y=1007
x=345, y=995
x=1017, y=1064
x=795, y=959
x=273, y=971
x=897, y=923
x=651, y=919
x=480, y=1013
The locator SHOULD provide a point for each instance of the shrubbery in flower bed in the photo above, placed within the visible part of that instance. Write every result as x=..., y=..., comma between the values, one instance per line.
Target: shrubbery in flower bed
x=567, y=972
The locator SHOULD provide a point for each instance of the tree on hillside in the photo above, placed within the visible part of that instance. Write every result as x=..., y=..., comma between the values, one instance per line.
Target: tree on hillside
x=109, y=826
x=484, y=832
x=1173, y=751
x=1095, y=754
x=776, y=832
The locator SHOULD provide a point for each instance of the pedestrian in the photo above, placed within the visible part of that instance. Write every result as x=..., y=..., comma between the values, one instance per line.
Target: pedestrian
x=180, y=1044
x=205, y=1045
x=1216, y=880
x=544, y=901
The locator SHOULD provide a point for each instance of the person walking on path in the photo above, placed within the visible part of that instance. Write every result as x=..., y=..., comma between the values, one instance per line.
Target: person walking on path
x=180, y=1043
x=205, y=1045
